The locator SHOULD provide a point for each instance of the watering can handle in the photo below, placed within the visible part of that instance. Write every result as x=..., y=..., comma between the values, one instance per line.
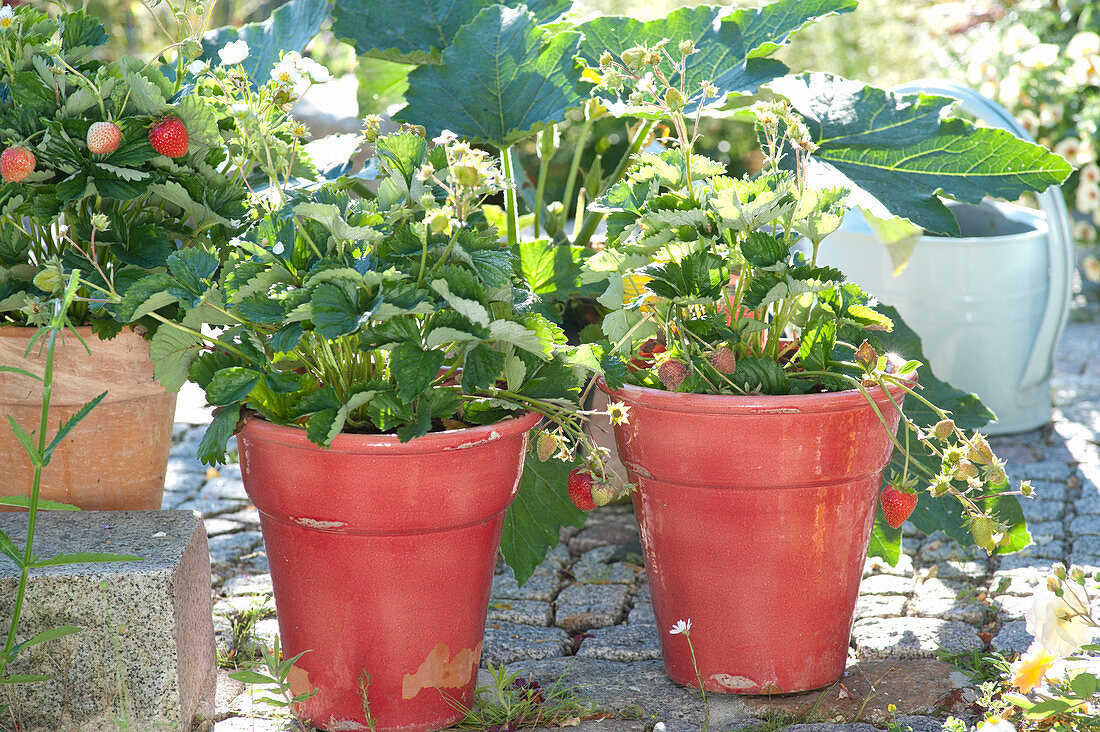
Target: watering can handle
x=1060, y=234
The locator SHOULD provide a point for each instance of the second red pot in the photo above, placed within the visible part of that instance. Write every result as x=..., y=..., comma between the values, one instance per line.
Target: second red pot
x=382, y=556
x=755, y=514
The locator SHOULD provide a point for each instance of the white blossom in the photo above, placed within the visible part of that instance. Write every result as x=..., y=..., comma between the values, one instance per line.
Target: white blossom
x=1055, y=622
x=233, y=53
x=1083, y=45
x=1041, y=56
x=1088, y=197
x=681, y=627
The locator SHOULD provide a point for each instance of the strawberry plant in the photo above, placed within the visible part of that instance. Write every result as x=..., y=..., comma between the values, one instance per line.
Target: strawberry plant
x=86, y=184
x=395, y=312
x=713, y=287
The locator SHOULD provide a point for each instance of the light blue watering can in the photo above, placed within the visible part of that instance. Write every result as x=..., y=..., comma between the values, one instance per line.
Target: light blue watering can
x=990, y=306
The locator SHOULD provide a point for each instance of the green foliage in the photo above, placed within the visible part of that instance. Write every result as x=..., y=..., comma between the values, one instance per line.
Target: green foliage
x=419, y=31
x=517, y=703
x=290, y=27
x=117, y=217
x=501, y=80
x=273, y=671
x=901, y=149
x=388, y=315
x=38, y=452
x=968, y=413
x=731, y=46
x=540, y=509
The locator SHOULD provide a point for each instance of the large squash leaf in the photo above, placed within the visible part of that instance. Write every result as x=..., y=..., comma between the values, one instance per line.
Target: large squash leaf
x=417, y=31
x=289, y=28
x=502, y=79
x=942, y=514
x=730, y=46
x=542, y=507
x=901, y=150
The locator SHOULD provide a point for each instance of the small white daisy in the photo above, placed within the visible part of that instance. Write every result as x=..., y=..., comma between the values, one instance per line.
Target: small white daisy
x=681, y=627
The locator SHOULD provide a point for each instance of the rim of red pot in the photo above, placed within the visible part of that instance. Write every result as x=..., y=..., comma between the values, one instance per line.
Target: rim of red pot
x=459, y=439
x=674, y=401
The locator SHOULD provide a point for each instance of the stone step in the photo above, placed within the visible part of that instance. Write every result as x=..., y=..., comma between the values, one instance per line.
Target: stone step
x=145, y=654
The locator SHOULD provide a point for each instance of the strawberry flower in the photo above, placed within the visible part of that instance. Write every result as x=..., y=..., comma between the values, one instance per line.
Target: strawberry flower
x=233, y=53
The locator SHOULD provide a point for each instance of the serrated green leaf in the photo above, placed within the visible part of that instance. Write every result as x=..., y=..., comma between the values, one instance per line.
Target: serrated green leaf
x=224, y=424
x=474, y=311
x=729, y=45
x=897, y=148
x=520, y=336
x=145, y=97
x=176, y=194
x=413, y=369
x=763, y=250
x=760, y=375
x=533, y=523
x=231, y=385
x=328, y=215
x=145, y=296
x=10, y=550
x=289, y=28
x=501, y=80
x=336, y=310
x=416, y=31
x=172, y=351
x=69, y=424
x=481, y=367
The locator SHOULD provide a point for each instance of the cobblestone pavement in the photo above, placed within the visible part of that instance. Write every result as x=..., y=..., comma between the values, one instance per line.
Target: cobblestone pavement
x=586, y=611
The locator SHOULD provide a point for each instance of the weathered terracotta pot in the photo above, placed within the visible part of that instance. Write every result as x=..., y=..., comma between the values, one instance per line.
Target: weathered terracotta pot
x=382, y=555
x=755, y=513
x=115, y=459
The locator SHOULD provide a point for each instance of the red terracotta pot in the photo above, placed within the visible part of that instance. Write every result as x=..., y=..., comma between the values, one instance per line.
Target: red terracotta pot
x=382, y=556
x=755, y=513
x=116, y=458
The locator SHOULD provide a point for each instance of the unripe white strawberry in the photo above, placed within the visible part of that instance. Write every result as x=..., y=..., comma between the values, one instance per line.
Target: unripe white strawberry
x=103, y=138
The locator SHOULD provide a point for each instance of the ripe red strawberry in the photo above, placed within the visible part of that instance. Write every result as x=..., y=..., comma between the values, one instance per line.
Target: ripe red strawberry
x=580, y=489
x=169, y=137
x=672, y=374
x=897, y=505
x=16, y=163
x=103, y=138
x=723, y=361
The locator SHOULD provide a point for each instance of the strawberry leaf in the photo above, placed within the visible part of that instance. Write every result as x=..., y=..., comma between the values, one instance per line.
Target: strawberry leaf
x=542, y=507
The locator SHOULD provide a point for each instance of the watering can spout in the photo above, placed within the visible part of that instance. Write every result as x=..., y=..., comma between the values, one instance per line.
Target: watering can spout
x=1060, y=238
